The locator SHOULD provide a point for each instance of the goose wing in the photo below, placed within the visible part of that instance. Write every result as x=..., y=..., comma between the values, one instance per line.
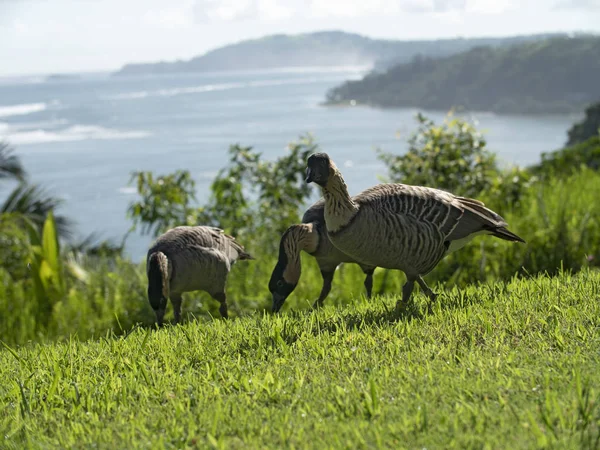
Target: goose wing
x=226, y=243
x=419, y=205
x=455, y=217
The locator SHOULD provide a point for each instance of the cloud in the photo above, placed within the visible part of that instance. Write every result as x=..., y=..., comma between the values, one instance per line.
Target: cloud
x=492, y=6
x=588, y=5
x=232, y=10
x=169, y=17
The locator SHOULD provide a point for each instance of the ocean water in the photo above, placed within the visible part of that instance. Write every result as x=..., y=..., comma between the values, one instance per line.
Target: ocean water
x=82, y=137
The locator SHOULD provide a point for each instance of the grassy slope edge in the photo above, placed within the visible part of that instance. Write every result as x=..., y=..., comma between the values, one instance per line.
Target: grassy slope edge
x=511, y=365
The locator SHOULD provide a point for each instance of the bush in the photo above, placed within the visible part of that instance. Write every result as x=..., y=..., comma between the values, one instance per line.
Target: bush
x=452, y=156
x=569, y=160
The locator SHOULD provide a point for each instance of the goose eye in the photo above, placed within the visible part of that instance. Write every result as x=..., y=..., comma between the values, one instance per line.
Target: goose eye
x=280, y=283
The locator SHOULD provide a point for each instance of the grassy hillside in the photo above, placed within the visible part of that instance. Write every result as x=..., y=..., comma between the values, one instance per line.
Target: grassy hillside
x=325, y=48
x=551, y=76
x=499, y=366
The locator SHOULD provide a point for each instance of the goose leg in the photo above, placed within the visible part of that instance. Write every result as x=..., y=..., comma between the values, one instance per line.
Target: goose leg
x=176, y=301
x=327, y=279
x=222, y=299
x=402, y=305
x=426, y=289
x=369, y=282
x=160, y=314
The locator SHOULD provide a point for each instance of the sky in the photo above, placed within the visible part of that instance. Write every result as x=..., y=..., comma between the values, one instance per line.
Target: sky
x=61, y=36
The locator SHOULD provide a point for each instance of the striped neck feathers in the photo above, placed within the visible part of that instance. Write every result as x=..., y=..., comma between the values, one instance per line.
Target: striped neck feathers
x=297, y=238
x=339, y=206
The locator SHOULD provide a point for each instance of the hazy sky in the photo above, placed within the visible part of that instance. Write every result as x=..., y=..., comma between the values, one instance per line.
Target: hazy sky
x=49, y=36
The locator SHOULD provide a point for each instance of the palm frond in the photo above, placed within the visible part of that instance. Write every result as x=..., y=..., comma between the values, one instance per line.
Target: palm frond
x=34, y=202
x=93, y=245
x=10, y=164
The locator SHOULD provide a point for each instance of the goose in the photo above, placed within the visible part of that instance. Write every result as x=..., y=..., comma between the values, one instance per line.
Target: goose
x=190, y=258
x=400, y=226
x=309, y=236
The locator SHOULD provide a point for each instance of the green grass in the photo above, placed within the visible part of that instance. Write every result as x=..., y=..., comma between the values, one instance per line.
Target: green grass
x=511, y=365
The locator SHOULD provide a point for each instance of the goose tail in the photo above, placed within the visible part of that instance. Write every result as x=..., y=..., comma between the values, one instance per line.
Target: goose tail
x=158, y=280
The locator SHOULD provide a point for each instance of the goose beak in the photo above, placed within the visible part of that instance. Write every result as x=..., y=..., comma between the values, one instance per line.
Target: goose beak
x=309, y=175
x=278, y=301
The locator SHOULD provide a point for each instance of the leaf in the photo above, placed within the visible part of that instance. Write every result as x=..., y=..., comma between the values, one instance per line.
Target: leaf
x=50, y=248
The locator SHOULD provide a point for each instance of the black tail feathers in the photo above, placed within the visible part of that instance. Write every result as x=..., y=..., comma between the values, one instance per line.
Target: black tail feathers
x=507, y=235
x=156, y=280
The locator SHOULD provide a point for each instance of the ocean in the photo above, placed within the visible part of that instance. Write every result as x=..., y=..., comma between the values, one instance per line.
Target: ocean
x=82, y=136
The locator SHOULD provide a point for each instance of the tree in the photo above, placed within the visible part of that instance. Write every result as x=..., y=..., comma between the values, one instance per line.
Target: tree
x=452, y=156
x=247, y=195
x=589, y=127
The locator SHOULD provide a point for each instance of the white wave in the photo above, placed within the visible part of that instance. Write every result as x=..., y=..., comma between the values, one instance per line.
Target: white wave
x=21, y=110
x=177, y=91
x=221, y=87
x=70, y=134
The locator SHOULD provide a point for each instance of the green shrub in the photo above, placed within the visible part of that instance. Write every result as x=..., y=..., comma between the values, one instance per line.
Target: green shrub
x=452, y=156
x=569, y=160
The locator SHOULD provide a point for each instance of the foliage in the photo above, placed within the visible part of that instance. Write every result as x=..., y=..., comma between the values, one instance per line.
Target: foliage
x=452, y=156
x=559, y=219
x=15, y=246
x=569, y=160
x=554, y=75
x=93, y=246
x=34, y=204
x=511, y=365
x=10, y=164
x=28, y=200
x=589, y=127
x=46, y=267
x=252, y=193
x=248, y=194
x=165, y=203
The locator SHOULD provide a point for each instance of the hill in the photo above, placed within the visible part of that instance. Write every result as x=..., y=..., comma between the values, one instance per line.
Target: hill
x=500, y=366
x=554, y=75
x=326, y=48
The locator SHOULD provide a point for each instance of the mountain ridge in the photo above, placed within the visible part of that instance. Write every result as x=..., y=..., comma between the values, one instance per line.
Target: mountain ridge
x=322, y=48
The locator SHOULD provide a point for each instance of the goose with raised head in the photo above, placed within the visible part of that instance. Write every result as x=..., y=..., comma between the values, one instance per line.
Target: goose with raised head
x=399, y=226
x=186, y=259
x=309, y=236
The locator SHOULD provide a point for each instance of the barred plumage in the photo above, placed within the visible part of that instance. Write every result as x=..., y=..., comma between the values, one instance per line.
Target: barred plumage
x=190, y=259
x=398, y=226
x=311, y=237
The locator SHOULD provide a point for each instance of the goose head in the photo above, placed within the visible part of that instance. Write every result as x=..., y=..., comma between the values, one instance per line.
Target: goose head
x=319, y=168
x=280, y=287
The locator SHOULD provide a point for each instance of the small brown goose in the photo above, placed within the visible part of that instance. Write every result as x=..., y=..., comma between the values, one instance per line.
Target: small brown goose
x=398, y=226
x=186, y=259
x=309, y=236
